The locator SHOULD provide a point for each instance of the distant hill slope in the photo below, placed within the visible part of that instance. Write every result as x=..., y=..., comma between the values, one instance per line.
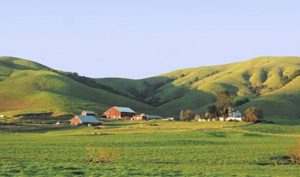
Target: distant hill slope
x=271, y=83
x=27, y=87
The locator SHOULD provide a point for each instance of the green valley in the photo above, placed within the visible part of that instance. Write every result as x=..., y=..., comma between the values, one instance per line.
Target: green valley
x=270, y=83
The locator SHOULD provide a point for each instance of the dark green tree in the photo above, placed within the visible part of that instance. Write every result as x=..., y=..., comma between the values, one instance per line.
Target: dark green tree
x=224, y=102
x=212, y=112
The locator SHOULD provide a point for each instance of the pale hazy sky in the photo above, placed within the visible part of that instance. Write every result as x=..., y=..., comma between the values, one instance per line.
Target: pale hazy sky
x=141, y=38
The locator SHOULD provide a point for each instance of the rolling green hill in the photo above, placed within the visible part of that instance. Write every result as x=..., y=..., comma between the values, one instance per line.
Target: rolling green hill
x=271, y=83
x=28, y=87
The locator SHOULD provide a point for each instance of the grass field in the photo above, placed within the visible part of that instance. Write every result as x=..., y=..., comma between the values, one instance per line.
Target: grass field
x=155, y=148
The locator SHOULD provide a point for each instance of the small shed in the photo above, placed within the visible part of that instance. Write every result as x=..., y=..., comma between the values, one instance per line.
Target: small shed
x=85, y=120
x=88, y=113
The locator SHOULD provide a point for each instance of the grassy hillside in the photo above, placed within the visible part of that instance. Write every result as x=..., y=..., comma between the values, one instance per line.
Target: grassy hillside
x=271, y=83
x=27, y=87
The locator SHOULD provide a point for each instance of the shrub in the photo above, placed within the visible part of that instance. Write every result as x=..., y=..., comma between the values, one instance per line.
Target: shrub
x=294, y=153
x=101, y=154
x=253, y=114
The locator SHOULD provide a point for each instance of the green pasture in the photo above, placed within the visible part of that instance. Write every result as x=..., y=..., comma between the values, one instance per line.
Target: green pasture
x=148, y=148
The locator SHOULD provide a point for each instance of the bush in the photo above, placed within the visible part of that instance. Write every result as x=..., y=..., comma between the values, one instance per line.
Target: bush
x=294, y=153
x=101, y=154
x=253, y=115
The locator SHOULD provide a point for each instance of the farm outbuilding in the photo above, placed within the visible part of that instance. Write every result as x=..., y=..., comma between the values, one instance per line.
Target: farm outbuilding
x=138, y=117
x=85, y=120
x=88, y=113
x=145, y=117
x=117, y=112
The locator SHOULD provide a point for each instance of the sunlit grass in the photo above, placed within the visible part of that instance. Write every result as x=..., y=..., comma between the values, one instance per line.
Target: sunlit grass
x=155, y=148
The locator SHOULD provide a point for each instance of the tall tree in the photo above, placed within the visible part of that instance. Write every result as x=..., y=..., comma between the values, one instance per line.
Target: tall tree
x=224, y=102
x=253, y=114
x=197, y=117
x=212, y=112
x=186, y=115
x=181, y=115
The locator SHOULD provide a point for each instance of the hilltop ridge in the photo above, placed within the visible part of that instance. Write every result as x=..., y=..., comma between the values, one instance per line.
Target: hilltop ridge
x=271, y=83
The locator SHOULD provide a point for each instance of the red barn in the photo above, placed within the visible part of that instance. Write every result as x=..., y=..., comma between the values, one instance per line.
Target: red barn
x=117, y=112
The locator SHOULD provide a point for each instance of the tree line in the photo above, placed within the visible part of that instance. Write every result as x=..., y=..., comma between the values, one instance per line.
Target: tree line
x=224, y=104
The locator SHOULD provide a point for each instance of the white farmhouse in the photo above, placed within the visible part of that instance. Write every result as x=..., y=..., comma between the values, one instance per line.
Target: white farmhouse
x=234, y=116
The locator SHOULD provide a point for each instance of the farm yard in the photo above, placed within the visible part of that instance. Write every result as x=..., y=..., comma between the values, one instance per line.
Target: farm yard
x=148, y=148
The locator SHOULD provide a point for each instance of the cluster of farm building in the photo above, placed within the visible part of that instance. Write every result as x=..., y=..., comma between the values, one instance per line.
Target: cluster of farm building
x=91, y=118
x=117, y=112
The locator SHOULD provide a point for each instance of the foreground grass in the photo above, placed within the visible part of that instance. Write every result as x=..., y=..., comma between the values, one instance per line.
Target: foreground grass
x=275, y=129
x=145, y=149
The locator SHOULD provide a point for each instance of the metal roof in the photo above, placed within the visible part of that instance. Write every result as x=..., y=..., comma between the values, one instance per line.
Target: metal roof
x=124, y=109
x=89, y=112
x=89, y=119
